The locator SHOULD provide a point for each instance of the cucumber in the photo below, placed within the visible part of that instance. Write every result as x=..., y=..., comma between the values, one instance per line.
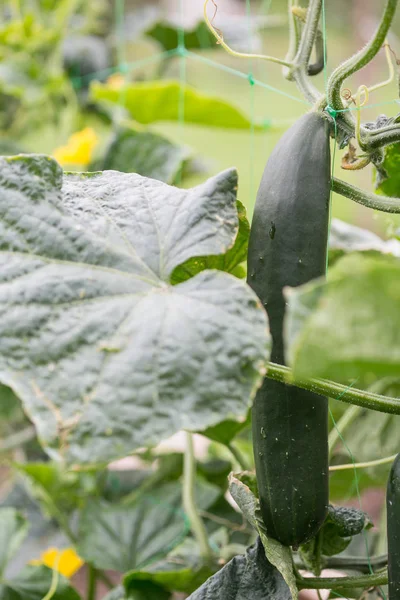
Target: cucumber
x=288, y=245
x=393, y=529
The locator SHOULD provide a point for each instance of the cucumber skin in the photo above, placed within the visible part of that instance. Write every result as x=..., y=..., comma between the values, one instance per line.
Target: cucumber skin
x=288, y=245
x=393, y=529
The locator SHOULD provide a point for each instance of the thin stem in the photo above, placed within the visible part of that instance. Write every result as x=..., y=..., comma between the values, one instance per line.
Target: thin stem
x=339, y=391
x=299, y=70
x=294, y=38
x=329, y=583
x=232, y=52
x=91, y=583
x=353, y=562
x=238, y=457
x=189, y=502
x=381, y=137
x=368, y=199
x=341, y=426
x=358, y=61
x=17, y=439
x=364, y=465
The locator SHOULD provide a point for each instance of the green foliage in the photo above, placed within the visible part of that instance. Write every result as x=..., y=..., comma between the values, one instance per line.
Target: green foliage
x=33, y=583
x=389, y=183
x=118, y=329
x=154, y=101
x=149, y=154
x=347, y=327
x=133, y=533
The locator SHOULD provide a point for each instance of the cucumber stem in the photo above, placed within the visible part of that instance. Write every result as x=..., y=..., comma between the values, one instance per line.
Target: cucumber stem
x=189, y=501
x=328, y=583
x=368, y=199
x=341, y=392
x=357, y=62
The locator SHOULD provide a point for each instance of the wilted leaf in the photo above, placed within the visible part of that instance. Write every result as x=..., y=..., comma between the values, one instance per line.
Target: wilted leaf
x=106, y=355
x=245, y=577
x=278, y=555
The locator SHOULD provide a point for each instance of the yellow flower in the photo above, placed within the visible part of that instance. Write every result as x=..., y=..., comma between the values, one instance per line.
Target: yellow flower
x=78, y=150
x=116, y=81
x=66, y=562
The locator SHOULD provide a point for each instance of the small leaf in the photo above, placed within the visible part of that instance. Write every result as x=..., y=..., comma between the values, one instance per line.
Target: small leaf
x=143, y=152
x=278, y=555
x=154, y=101
x=33, y=583
x=13, y=530
x=117, y=593
x=351, y=326
x=245, y=577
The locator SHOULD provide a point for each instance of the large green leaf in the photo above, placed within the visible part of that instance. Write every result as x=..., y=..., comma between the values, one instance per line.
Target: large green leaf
x=13, y=529
x=129, y=535
x=143, y=152
x=106, y=355
x=243, y=487
x=33, y=583
x=245, y=577
x=153, y=101
x=351, y=324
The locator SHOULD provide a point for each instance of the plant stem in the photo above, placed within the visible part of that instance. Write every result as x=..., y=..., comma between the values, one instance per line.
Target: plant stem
x=91, y=583
x=339, y=391
x=357, y=62
x=352, y=562
x=300, y=67
x=238, y=456
x=379, y=138
x=364, y=465
x=368, y=199
x=17, y=439
x=344, y=422
x=189, y=502
x=294, y=38
x=328, y=583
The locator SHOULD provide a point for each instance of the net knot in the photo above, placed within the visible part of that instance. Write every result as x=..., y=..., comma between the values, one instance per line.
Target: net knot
x=181, y=51
x=251, y=79
x=332, y=112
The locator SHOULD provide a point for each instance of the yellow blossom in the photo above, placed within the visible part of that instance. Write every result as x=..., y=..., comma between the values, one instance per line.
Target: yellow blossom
x=78, y=150
x=66, y=561
x=116, y=81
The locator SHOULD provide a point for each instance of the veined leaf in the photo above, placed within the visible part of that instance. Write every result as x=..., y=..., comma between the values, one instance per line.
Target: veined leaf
x=106, y=355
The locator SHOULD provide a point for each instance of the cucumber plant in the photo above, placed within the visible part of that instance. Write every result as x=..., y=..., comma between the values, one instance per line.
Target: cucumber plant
x=124, y=319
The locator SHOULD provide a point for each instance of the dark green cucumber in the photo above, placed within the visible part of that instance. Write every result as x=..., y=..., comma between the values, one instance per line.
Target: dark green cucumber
x=288, y=245
x=393, y=530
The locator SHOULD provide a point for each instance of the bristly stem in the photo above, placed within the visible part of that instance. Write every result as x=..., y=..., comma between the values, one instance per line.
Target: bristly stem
x=368, y=199
x=189, y=501
x=341, y=392
x=329, y=583
x=357, y=62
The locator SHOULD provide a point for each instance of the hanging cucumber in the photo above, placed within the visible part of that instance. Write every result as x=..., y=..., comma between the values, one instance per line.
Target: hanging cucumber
x=393, y=530
x=288, y=245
